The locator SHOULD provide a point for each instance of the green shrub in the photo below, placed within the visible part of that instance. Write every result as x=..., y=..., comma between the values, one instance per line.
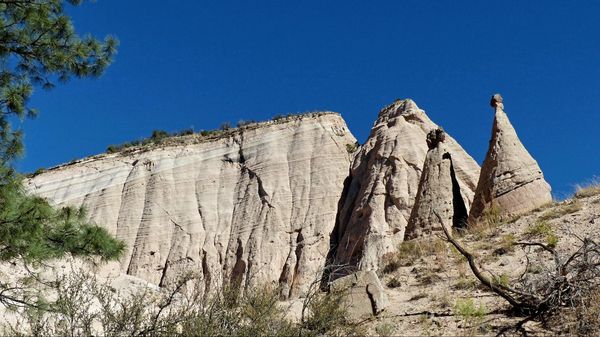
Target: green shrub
x=540, y=227
x=552, y=240
x=502, y=279
x=468, y=311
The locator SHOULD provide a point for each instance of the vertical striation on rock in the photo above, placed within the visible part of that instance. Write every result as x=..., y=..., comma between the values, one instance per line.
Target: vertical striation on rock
x=255, y=205
x=439, y=200
x=380, y=192
x=511, y=179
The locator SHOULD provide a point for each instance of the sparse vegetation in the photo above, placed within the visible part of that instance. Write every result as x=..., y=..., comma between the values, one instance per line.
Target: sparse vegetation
x=471, y=313
x=465, y=283
x=488, y=223
x=502, y=279
x=394, y=282
x=410, y=251
x=86, y=306
x=385, y=329
x=563, y=209
x=507, y=244
x=417, y=297
x=540, y=227
x=242, y=123
x=588, y=190
x=351, y=148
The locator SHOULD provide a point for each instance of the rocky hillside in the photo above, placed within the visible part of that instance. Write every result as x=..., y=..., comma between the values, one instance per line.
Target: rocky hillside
x=432, y=290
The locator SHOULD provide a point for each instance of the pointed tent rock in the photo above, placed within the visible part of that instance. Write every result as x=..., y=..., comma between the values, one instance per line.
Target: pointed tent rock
x=510, y=178
x=439, y=201
x=380, y=192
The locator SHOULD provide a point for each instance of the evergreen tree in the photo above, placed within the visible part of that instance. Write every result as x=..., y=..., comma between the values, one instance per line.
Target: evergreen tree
x=39, y=47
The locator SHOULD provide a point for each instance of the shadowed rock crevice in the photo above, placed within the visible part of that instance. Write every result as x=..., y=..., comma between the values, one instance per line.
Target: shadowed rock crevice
x=460, y=212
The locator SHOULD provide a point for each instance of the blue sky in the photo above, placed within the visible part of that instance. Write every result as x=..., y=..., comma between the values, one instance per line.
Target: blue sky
x=197, y=64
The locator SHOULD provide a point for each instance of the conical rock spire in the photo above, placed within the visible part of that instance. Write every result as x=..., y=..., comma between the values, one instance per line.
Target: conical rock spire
x=439, y=201
x=510, y=179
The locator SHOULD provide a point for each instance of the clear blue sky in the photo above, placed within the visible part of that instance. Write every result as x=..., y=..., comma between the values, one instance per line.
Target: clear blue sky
x=198, y=63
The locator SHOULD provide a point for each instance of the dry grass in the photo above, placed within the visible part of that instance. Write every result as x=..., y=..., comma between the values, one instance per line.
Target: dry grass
x=411, y=251
x=488, y=224
x=589, y=190
x=417, y=297
x=563, y=209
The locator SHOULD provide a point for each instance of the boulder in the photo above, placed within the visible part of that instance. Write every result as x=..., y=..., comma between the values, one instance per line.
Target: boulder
x=511, y=180
x=363, y=294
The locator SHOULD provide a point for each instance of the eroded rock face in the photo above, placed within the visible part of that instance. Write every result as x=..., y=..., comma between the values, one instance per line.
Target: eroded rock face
x=439, y=200
x=256, y=206
x=381, y=189
x=511, y=179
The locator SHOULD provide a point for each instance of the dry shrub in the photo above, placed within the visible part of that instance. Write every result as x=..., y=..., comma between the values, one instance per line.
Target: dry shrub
x=83, y=305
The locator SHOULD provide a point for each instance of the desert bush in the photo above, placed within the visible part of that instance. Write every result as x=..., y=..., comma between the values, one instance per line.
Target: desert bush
x=351, y=148
x=225, y=126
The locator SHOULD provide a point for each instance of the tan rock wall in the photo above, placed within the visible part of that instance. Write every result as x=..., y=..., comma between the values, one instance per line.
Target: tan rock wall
x=252, y=207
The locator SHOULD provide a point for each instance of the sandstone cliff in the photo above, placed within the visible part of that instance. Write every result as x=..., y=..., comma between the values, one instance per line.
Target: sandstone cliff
x=255, y=205
x=380, y=192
